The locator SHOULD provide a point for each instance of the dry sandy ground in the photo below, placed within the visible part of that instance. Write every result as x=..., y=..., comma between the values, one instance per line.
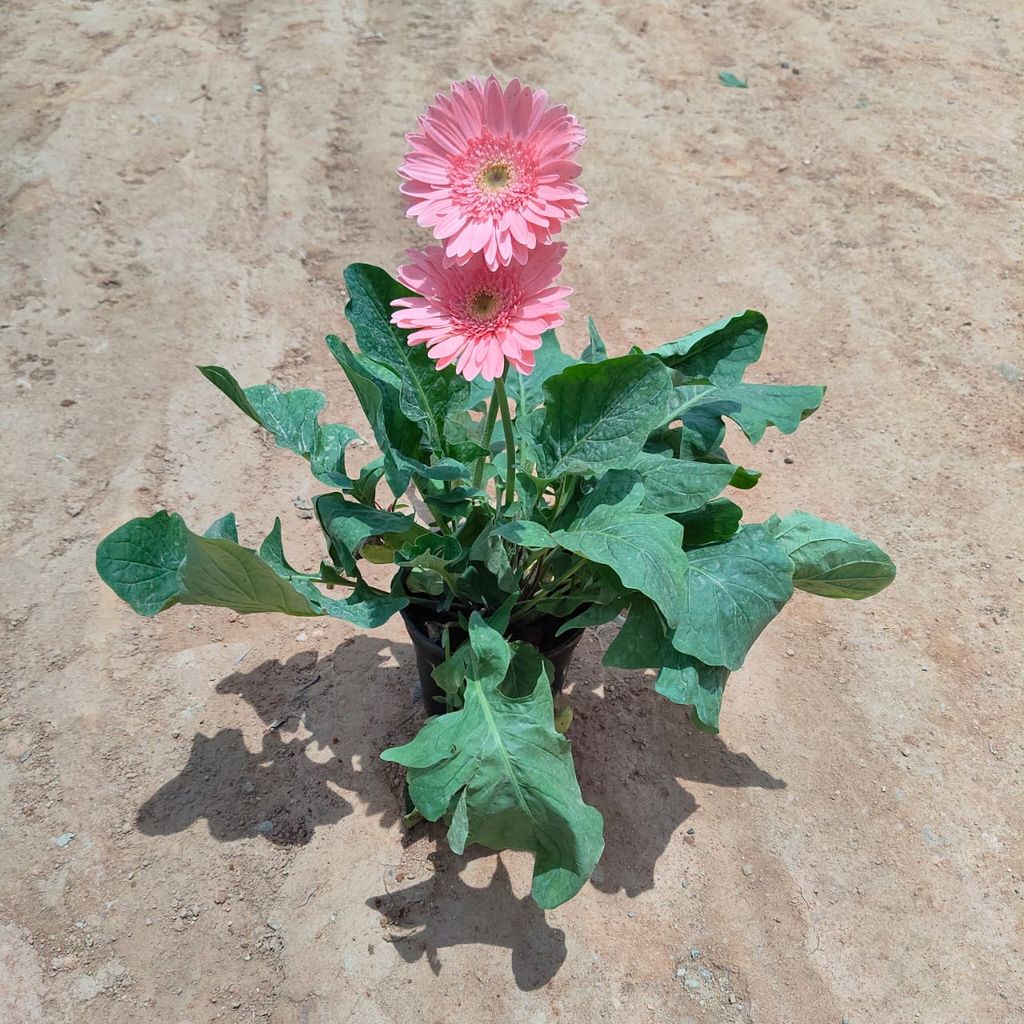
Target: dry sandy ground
x=183, y=183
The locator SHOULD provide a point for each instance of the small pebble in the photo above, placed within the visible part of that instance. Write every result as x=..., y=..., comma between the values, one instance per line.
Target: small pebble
x=732, y=998
x=747, y=869
x=691, y=831
x=692, y=983
x=63, y=840
x=631, y=914
x=695, y=954
x=789, y=460
x=905, y=751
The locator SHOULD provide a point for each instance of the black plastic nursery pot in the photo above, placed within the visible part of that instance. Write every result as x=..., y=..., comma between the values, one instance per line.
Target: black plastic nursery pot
x=541, y=633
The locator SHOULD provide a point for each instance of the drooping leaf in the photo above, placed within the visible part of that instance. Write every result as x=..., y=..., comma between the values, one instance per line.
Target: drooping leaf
x=732, y=591
x=597, y=416
x=720, y=352
x=427, y=395
x=292, y=418
x=642, y=641
x=394, y=432
x=685, y=680
x=717, y=521
x=671, y=485
x=348, y=524
x=528, y=391
x=157, y=562
x=501, y=774
x=831, y=560
x=363, y=606
x=595, y=350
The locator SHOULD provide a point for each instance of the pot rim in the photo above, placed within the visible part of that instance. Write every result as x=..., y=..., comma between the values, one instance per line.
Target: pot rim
x=566, y=640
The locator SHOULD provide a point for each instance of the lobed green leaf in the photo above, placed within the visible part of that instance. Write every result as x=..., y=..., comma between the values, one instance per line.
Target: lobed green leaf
x=500, y=773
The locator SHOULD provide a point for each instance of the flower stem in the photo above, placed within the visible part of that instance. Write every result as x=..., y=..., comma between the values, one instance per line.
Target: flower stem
x=510, y=441
x=485, y=441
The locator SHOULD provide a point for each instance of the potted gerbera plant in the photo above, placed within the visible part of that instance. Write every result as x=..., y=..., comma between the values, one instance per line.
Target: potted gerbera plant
x=598, y=499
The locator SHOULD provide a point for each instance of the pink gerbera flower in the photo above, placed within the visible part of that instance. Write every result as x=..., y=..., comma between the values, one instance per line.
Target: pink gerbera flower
x=479, y=316
x=491, y=170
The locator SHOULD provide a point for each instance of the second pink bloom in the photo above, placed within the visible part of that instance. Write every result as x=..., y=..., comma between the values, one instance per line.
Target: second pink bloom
x=476, y=317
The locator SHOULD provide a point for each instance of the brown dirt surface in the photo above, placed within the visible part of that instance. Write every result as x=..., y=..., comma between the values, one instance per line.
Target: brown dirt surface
x=183, y=183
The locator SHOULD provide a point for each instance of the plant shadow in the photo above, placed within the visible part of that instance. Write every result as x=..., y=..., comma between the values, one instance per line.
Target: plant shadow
x=443, y=912
x=632, y=749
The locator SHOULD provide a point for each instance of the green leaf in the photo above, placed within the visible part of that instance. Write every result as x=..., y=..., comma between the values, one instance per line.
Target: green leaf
x=292, y=417
x=442, y=469
x=592, y=615
x=744, y=479
x=225, y=528
x=717, y=521
x=595, y=351
x=641, y=643
x=363, y=607
x=427, y=395
x=462, y=437
x=597, y=416
x=489, y=552
x=727, y=78
x=831, y=560
x=671, y=485
x=158, y=562
x=364, y=490
x=685, y=680
x=754, y=408
x=528, y=391
x=645, y=550
x=272, y=552
x=732, y=591
x=527, y=534
x=719, y=352
x=348, y=524
x=378, y=395
x=501, y=774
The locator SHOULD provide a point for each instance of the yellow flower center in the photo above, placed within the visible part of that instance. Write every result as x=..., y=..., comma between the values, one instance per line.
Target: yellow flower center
x=484, y=304
x=495, y=176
